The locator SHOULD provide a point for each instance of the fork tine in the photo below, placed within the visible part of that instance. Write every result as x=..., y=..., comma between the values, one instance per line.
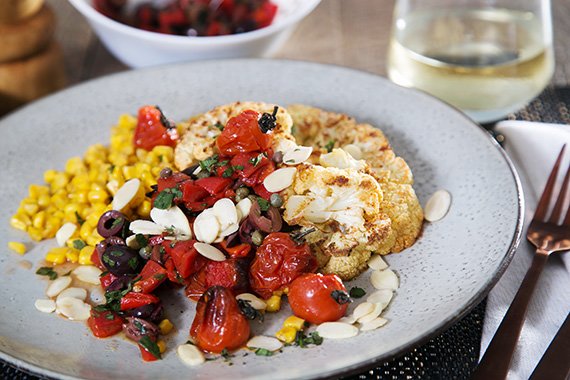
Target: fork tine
x=562, y=197
x=542, y=207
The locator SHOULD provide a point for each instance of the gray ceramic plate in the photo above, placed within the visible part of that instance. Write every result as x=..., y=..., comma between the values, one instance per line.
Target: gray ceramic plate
x=449, y=269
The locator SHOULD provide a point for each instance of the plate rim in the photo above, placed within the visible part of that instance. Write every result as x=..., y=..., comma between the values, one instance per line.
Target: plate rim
x=444, y=325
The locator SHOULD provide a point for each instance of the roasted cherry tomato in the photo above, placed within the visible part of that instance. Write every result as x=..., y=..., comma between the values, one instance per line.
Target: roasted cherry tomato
x=219, y=323
x=318, y=298
x=231, y=274
x=151, y=131
x=278, y=261
x=242, y=134
x=104, y=323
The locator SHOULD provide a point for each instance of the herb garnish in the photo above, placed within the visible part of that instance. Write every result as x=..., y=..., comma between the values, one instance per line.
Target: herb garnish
x=303, y=341
x=257, y=159
x=263, y=352
x=150, y=346
x=356, y=292
x=230, y=170
x=113, y=299
x=263, y=204
x=116, y=222
x=80, y=220
x=249, y=311
x=47, y=271
x=330, y=145
x=226, y=354
x=141, y=240
x=79, y=244
x=341, y=297
x=219, y=125
x=267, y=121
x=209, y=163
x=165, y=198
x=133, y=262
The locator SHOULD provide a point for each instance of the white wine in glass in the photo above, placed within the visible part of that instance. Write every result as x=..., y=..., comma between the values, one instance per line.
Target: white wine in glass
x=486, y=61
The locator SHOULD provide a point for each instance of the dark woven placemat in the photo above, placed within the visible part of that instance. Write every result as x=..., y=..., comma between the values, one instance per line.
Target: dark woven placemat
x=453, y=354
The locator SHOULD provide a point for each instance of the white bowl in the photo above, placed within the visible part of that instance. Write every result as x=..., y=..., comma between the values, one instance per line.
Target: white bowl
x=140, y=48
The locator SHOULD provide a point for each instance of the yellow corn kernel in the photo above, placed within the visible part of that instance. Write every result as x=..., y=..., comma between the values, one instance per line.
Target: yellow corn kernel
x=164, y=153
x=60, y=180
x=39, y=220
x=85, y=255
x=129, y=172
x=52, y=224
x=273, y=304
x=161, y=346
x=35, y=233
x=56, y=255
x=144, y=209
x=295, y=322
x=155, y=171
x=80, y=196
x=29, y=206
x=43, y=200
x=19, y=248
x=141, y=168
x=93, y=239
x=286, y=334
x=165, y=326
x=99, y=173
x=18, y=222
x=97, y=196
x=74, y=166
x=152, y=159
x=81, y=182
x=59, y=199
x=85, y=231
x=49, y=175
x=72, y=255
x=34, y=191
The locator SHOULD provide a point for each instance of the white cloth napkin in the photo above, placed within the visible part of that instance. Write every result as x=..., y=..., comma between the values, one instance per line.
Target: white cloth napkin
x=533, y=147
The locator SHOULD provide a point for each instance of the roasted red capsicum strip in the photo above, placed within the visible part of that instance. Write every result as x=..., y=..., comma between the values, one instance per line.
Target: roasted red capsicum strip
x=133, y=300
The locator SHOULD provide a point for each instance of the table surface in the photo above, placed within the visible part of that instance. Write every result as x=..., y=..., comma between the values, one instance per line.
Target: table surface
x=349, y=33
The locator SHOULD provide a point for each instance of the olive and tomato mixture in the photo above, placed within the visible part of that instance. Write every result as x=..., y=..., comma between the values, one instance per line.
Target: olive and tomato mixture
x=193, y=17
x=263, y=256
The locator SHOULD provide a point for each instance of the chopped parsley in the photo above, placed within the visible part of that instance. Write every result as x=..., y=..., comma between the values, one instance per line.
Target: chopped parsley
x=219, y=125
x=249, y=311
x=117, y=222
x=79, y=244
x=330, y=145
x=47, y=271
x=303, y=341
x=80, y=220
x=165, y=198
x=356, y=292
x=263, y=204
x=133, y=262
x=110, y=316
x=257, y=159
x=230, y=170
x=150, y=346
x=263, y=352
x=209, y=163
x=141, y=240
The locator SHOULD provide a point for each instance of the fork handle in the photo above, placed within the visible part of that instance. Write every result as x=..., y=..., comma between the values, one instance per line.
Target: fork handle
x=497, y=359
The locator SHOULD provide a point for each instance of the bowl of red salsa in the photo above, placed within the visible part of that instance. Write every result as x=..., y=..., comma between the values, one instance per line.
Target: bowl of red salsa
x=143, y=33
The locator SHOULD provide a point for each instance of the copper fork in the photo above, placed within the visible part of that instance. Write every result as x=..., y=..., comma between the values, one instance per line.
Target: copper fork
x=548, y=235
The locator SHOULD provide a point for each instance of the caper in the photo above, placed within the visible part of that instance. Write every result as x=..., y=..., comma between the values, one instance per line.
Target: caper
x=257, y=238
x=276, y=200
x=241, y=193
x=165, y=173
x=145, y=252
x=278, y=157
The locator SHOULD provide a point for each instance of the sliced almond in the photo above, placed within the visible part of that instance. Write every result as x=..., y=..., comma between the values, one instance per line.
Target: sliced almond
x=173, y=219
x=206, y=226
x=362, y=309
x=45, y=306
x=145, y=227
x=348, y=319
x=279, y=180
x=266, y=342
x=255, y=302
x=353, y=150
x=190, y=354
x=337, y=330
x=377, y=263
x=384, y=279
x=64, y=233
x=131, y=242
x=243, y=208
x=129, y=195
x=78, y=293
x=372, y=315
x=232, y=228
x=437, y=206
x=382, y=296
x=209, y=251
x=373, y=324
x=88, y=273
x=297, y=155
x=97, y=295
x=73, y=308
x=58, y=285
x=225, y=211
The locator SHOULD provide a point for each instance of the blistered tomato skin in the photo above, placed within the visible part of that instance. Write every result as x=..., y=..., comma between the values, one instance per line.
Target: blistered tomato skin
x=151, y=131
x=311, y=298
x=219, y=323
x=242, y=135
x=278, y=261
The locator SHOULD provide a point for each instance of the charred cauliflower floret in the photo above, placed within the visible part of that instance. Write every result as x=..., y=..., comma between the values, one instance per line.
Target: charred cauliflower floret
x=328, y=130
x=342, y=204
x=198, y=140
